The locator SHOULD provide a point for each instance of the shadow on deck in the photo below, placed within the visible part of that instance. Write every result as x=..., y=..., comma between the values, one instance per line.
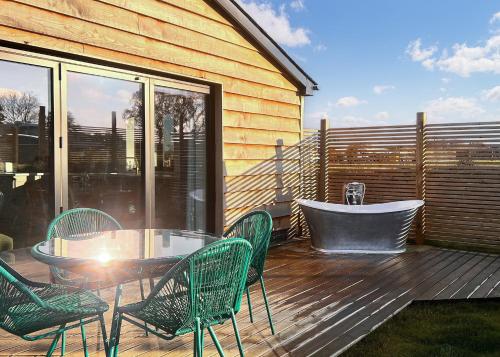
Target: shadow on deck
x=321, y=304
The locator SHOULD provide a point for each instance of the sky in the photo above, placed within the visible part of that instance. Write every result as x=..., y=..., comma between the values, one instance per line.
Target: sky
x=380, y=62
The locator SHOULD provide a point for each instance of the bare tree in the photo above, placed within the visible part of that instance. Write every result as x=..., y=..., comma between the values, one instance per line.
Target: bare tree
x=19, y=107
x=187, y=111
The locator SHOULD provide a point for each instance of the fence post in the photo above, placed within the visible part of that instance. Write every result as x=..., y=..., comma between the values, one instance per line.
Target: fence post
x=420, y=176
x=322, y=175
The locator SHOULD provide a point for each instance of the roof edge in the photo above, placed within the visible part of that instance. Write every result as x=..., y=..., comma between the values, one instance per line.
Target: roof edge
x=257, y=33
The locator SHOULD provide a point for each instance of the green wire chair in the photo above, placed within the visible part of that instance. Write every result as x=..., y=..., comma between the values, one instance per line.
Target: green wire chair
x=80, y=224
x=28, y=307
x=202, y=290
x=256, y=227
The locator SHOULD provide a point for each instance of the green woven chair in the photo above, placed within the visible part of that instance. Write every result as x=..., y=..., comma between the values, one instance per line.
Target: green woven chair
x=256, y=227
x=81, y=223
x=28, y=307
x=202, y=290
x=78, y=223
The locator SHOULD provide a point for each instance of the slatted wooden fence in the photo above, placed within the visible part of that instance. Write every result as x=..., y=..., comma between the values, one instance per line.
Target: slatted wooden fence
x=462, y=183
x=454, y=167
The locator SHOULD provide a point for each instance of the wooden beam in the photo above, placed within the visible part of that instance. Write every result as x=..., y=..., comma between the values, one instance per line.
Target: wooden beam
x=420, y=179
x=323, y=163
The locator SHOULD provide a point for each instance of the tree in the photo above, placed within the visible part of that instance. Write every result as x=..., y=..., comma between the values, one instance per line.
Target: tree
x=187, y=111
x=19, y=107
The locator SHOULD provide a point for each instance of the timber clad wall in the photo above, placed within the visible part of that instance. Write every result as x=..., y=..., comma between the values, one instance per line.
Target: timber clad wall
x=261, y=107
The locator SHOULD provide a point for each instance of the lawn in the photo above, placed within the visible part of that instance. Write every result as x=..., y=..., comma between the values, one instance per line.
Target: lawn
x=436, y=329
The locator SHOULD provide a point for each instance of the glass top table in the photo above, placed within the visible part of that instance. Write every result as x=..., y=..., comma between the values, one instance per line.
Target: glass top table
x=132, y=251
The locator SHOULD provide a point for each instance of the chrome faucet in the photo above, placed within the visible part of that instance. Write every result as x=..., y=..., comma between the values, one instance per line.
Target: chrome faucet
x=354, y=193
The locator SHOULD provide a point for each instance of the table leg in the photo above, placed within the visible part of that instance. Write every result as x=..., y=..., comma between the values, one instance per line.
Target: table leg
x=114, y=321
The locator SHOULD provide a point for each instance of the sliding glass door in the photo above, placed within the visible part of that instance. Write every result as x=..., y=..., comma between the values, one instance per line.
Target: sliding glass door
x=180, y=157
x=104, y=120
x=74, y=135
x=27, y=194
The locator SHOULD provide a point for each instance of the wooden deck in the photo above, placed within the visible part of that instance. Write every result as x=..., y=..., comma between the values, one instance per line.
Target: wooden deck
x=321, y=304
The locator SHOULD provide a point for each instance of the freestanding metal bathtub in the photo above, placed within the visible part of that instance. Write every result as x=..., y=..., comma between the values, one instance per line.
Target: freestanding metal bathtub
x=376, y=228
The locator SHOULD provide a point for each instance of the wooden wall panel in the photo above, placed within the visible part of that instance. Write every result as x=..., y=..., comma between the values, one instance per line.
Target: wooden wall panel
x=262, y=110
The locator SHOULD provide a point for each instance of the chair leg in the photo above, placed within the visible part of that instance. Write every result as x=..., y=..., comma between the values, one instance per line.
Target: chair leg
x=202, y=340
x=237, y=333
x=104, y=335
x=115, y=317
x=215, y=340
x=195, y=343
x=249, y=305
x=199, y=351
x=63, y=343
x=84, y=339
x=151, y=284
x=117, y=339
x=268, y=309
x=141, y=286
x=53, y=345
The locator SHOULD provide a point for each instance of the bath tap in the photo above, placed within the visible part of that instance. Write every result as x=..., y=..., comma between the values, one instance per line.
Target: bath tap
x=354, y=193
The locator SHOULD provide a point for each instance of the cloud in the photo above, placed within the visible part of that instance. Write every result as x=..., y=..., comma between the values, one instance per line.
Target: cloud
x=419, y=54
x=380, y=88
x=445, y=80
x=495, y=18
x=466, y=60
x=298, y=5
x=320, y=48
x=492, y=94
x=382, y=116
x=276, y=23
x=453, y=108
x=346, y=102
x=461, y=59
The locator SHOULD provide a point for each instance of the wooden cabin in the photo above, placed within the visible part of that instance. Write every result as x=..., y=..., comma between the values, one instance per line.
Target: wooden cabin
x=163, y=113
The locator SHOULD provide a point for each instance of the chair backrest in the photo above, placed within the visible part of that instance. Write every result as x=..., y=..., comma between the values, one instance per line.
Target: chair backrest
x=256, y=227
x=76, y=223
x=208, y=284
x=14, y=292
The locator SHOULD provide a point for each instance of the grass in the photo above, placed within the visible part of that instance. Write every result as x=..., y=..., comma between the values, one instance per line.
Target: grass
x=437, y=329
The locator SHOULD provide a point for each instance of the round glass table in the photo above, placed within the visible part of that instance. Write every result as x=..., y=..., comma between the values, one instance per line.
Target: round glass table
x=122, y=255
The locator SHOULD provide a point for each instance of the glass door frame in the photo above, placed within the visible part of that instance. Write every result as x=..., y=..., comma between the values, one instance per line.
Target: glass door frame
x=108, y=73
x=149, y=83
x=55, y=96
x=61, y=65
x=166, y=83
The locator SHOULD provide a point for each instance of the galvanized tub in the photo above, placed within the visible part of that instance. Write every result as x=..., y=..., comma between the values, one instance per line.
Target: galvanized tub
x=376, y=228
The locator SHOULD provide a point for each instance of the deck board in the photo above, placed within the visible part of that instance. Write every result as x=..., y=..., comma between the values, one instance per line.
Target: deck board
x=322, y=304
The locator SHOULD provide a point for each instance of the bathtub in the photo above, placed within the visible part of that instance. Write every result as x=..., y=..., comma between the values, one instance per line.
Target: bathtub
x=376, y=228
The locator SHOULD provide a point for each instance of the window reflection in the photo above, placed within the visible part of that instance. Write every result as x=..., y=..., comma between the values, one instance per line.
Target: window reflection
x=106, y=145
x=180, y=159
x=26, y=160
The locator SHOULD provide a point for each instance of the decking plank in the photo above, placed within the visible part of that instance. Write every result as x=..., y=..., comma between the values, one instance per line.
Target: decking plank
x=321, y=304
x=475, y=265
x=348, y=305
x=382, y=311
x=362, y=308
x=475, y=283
